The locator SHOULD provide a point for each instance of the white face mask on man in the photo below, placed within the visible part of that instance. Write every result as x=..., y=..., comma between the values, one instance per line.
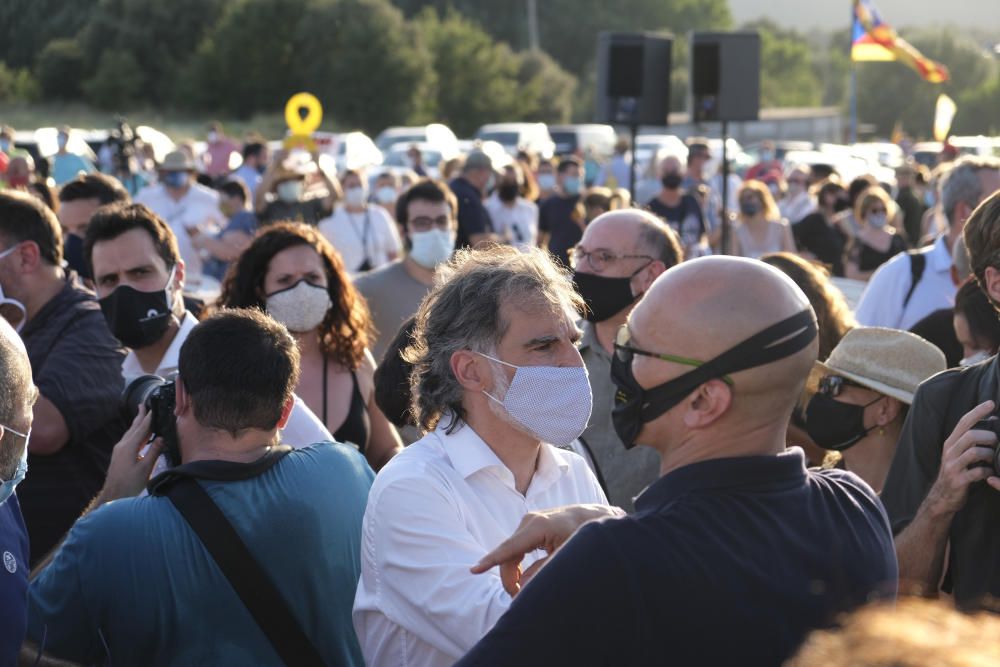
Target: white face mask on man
x=432, y=247
x=355, y=197
x=551, y=402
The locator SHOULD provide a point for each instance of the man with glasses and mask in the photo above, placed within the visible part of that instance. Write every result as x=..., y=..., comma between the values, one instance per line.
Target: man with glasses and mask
x=139, y=278
x=426, y=213
x=76, y=364
x=738, y=550
x=618, y=258
x=498, y=386
x=17, y=395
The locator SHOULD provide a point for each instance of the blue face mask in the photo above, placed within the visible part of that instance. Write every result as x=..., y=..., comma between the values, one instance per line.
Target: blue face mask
x=175, y=179
x=571, y=185
x=7, y=487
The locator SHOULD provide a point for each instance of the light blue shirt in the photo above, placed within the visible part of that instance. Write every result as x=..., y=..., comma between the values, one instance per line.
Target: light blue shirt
x=66, y=167
x=133, y=575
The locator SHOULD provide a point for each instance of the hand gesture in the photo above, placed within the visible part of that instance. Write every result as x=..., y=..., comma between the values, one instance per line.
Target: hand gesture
x=129, y=472
x=963, y=449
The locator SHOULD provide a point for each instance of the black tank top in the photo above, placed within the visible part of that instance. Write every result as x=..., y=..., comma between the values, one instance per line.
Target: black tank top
x=356, y=427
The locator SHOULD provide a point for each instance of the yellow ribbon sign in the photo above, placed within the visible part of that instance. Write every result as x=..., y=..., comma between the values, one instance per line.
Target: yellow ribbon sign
x=302, y=127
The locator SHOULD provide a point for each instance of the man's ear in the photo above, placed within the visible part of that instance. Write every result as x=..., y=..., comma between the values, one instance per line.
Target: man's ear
x=182, y=399
x=286, y=412
x=992, y=284
x=707, y=404
x=471, y=370
x=646, y=277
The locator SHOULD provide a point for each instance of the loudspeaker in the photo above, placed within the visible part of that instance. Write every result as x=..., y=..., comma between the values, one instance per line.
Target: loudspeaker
x=633, y=78
x=725, y=76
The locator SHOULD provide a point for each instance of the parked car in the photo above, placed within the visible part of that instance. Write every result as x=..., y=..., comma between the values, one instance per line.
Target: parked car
x=349, y=150
x=656, y=147
x=599, y=138
x=514, y=137
x=396, y=156
x=438, y=136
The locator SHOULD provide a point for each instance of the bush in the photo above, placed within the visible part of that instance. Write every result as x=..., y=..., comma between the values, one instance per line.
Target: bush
x=117, y=82
x=60, y=69
x=17, y=85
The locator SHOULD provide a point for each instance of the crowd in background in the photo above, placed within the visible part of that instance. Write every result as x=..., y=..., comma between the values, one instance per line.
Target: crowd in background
x=488, y=348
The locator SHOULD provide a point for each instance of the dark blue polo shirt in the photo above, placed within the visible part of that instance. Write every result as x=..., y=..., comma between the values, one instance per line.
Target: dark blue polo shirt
x=13, y=580
x=726, y=562
x=555, y=217
x=473, y=218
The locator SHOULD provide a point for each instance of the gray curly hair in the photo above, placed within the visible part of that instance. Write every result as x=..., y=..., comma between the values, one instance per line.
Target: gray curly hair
x=464, y=312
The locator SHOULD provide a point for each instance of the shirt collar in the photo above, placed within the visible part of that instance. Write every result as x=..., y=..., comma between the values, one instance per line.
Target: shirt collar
x=224, y=471
x=469, y=454
x=168, y=364
x=939, y=257
x=747, y=471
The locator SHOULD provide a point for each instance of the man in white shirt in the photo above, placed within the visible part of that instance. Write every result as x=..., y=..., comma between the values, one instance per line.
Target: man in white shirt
x=139, y=279
x=185, y=205
x=497, y=382
x=893, y=298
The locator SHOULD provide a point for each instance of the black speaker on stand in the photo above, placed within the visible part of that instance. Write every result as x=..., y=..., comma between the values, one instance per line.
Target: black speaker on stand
x=724, y=86
x=633, y=82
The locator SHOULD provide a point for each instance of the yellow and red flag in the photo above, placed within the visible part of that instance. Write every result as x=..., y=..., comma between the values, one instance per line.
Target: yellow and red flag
x=873, y=39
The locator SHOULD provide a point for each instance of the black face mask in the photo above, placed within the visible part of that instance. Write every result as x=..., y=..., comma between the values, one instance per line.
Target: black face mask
x=635, y=406
x=604, y=296
x=507, y=191
x=73, y=253
x=835, y=425
x=137, y=319
x=672, y=180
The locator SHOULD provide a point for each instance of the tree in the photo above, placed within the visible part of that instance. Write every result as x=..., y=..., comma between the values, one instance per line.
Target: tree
x=117, y=83
x=60, y=69
x=541, y=79
x=787, y=78
x=26, y=26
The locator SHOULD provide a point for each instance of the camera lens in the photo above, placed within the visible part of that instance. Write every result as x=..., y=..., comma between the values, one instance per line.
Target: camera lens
x=138, y=390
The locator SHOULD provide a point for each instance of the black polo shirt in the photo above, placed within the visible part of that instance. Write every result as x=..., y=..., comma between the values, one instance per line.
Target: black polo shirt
x=940, y=402
x=77, y=364
x=555, y=218
x=726, y=562
x=473, y=218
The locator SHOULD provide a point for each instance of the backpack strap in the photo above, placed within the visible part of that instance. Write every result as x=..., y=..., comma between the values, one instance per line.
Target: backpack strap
x=918, y=262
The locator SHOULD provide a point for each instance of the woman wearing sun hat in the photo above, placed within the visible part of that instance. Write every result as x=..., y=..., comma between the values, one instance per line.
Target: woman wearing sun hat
x=864, y=391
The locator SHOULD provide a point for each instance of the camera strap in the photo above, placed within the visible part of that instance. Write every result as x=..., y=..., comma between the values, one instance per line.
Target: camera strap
x=252, y=584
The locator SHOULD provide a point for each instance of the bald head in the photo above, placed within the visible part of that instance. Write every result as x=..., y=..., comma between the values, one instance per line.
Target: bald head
x=707, y=306
x=634, y=232
x=17, y=395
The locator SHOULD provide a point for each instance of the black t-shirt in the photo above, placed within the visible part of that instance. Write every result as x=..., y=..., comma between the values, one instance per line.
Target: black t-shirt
x=686, y=218
x=725, y=562
x=974, y=537
x=815, y=235
x=473, y=218
x=555, y=218
x=309, y=211
x=939, y=328
x=870, y=259
x=77, y=365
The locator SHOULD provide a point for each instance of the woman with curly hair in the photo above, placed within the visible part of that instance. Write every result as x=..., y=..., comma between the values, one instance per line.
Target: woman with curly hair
x=293, y=273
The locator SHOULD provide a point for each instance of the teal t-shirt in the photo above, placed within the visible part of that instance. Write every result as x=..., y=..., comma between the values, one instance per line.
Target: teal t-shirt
x=132, y=576
x=66, y=167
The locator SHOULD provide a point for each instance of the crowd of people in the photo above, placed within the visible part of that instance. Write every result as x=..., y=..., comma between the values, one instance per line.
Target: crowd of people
x=280, y=415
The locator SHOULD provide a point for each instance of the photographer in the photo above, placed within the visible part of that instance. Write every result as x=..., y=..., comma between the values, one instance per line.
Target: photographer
x=138, y=270
x=934, y=494
x=136, y=581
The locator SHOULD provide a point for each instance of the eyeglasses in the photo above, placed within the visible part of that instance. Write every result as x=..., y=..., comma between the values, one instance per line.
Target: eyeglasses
x=832, y=385
x=599, y=259
x=424, y=224
x=625, y=353
x=877, y=211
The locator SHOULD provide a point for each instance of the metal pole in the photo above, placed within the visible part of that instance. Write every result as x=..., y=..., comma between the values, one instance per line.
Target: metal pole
x=854, y=104
x=631, y=166
x=533, y=25
x=725, y=190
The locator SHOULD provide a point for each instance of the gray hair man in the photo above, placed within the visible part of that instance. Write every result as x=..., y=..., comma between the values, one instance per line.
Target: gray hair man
x=498, y=386
x=911, y=286
x=618, y=258
x=17, y=395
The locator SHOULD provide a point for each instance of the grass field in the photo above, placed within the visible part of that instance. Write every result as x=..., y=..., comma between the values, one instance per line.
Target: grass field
x=177, y=125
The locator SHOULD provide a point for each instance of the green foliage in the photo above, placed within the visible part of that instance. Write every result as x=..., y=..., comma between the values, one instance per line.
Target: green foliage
x=60, y=69
x=550, y=86
x=787, y=76
x=26, y=26
x=17, y=85
x=117, y=83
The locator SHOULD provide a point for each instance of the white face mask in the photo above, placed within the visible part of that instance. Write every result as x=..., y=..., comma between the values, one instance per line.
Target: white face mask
x=877, y=220
x=551, y=402
x=385, y=194
x=289, y=191
x=354, y=197
x=301, y=307
x=975, y=358
x=8, y=486
x=432, y=247
x=6, y=300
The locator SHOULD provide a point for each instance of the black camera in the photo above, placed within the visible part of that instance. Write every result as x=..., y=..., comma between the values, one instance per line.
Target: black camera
x=991, y=424
x=160, y=398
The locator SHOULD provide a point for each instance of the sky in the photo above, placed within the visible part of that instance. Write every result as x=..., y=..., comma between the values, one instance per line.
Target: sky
x=830, y=14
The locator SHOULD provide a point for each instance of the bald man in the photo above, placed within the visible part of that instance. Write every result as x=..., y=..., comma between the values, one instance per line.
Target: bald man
x=737, y=551
x=17, y=395
x=618, y=258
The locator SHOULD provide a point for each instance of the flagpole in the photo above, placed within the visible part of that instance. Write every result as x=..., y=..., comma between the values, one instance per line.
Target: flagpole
x=854, y=103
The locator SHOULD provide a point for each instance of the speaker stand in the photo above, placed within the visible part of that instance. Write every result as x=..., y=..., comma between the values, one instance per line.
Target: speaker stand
x=724, y=245
x=631, y=165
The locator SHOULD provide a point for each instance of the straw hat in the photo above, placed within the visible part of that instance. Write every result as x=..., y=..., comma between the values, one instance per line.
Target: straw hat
x=888, y=361
x=177, y=161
